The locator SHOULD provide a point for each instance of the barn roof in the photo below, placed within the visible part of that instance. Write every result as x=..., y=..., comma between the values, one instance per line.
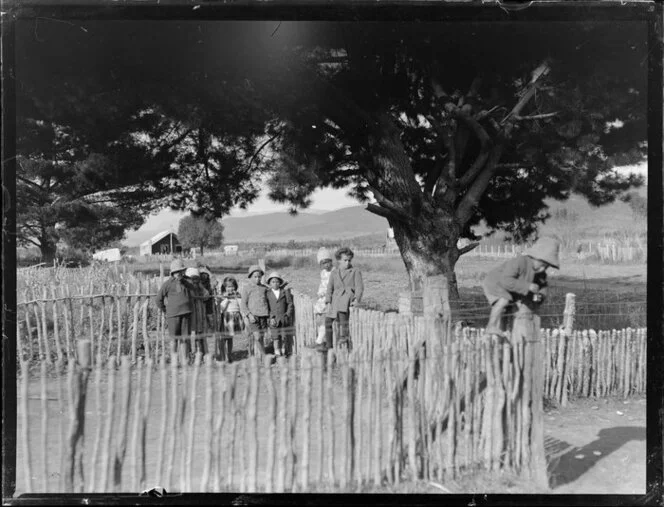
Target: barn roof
x=157, y=237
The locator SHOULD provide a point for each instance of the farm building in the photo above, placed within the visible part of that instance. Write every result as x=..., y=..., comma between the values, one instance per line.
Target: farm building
x=230, y=250
x=165, y=242
x=109, y=255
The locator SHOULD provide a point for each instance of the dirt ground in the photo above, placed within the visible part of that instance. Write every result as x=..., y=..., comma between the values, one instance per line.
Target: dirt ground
x=597, y=446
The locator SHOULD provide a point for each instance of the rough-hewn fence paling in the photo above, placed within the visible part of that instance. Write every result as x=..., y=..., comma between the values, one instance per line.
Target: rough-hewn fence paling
x=576, y=362
x=381, y=418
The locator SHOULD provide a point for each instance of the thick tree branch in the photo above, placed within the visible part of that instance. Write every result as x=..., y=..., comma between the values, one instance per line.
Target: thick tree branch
x=485, y=144
x=387, y=203
x=542, y=70
x=447, y=176
x=386, y=213
x=468, y=248
x=472, y=197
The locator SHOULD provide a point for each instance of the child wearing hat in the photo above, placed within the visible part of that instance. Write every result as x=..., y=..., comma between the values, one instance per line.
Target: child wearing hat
x=174, y=299
x=200, y=317
x=280, y=306
x=324, y=258
x=519, y=279
x=344, y=290
x=231, y=319
x=254, y=309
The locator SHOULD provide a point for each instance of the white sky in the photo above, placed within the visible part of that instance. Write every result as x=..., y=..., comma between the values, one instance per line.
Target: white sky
x=324, y=199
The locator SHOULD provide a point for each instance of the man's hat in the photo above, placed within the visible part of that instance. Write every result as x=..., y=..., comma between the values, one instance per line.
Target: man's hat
x=547, y=250
x=177, y=265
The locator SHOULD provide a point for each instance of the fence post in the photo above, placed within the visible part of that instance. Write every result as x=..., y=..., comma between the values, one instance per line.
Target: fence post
x=77, y=414
x=568, y=314
x=526, y=329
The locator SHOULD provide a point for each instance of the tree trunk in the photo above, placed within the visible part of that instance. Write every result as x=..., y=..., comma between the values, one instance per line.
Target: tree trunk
x=425, y=229
x=48, y=250
x=427, y=254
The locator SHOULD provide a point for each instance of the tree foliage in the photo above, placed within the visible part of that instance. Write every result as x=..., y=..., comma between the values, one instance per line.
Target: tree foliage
x=436, y=126
x=200, y=232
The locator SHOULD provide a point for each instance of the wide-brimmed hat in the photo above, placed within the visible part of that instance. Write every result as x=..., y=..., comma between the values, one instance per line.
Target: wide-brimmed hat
x=323, y=255
x=177, y=265
x=546, y=250
x=274, y=274
x=192, y=272
x=252, y=268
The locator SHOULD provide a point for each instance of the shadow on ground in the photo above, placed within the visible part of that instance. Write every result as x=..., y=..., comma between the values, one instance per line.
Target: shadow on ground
x=566, y=463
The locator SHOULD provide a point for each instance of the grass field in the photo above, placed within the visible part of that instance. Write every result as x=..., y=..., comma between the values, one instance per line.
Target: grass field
x=607, y=296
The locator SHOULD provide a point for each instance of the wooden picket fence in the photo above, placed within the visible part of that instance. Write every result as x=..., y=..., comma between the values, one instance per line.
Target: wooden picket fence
x=578, y=363
x=311, y=422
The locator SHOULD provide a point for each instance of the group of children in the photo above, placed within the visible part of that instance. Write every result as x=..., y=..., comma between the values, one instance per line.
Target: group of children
x=264, y=308
x=264, y=311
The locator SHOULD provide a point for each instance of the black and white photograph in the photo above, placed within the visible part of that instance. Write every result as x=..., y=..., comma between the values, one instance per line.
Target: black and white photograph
x=301, y=251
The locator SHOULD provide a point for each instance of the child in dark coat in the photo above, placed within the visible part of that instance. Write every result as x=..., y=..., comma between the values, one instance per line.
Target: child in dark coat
x=518, y=279
x=174, y=299
x=253, y=305
x=201, y=312
x=280, y=306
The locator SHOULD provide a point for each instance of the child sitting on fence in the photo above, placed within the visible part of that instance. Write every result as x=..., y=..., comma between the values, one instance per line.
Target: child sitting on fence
x=253, y=305
x=280, y=306
x=231, y=318
x=520, y=279
x=344, y=290
x=324, y=258
x=174, y=299
x=200, y=318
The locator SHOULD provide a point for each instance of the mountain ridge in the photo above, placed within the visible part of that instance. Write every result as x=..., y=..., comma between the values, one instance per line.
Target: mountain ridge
x=355, y=221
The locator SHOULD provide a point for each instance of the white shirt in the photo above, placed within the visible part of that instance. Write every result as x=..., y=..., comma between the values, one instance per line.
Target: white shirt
x=276, y=293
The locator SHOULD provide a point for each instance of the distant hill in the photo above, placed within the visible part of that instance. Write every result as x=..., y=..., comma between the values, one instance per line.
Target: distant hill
x=257, y=226
x=344, y=223
x=355, y=221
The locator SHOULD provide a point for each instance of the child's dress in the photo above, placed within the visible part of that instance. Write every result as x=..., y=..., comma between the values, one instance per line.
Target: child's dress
x=232, y=323
x=320, y=305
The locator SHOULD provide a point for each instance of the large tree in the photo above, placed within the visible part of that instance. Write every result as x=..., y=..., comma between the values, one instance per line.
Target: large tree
x=437, y=126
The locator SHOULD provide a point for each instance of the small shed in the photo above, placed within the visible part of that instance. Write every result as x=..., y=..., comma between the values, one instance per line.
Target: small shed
x=230, y=249
x=109, y=255
x=165, y=242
